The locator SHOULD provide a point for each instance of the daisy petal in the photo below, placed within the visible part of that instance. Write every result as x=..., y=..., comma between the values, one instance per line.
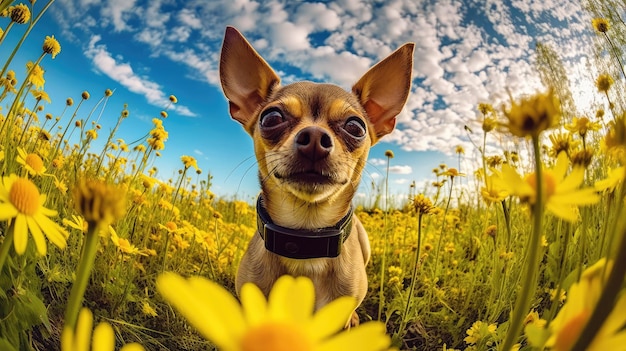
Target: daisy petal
x=192, y=303
x=84, y=326
x=132, y=347
x=332, y=317
x=7, y=211
x=53, y=231
x=292, y=299
x=35, y=231
x=103, y=338
x=253, y=303
x=366, y=337
x=20, y=234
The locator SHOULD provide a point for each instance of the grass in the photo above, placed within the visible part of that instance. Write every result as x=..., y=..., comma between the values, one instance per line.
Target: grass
x=486, y=263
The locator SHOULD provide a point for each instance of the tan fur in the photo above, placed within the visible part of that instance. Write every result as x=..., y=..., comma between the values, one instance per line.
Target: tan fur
x=252, y=88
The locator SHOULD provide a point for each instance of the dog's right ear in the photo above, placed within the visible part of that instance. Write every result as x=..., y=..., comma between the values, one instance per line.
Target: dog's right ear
x=247, y=80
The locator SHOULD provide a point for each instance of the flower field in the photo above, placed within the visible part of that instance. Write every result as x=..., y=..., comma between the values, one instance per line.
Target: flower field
x=528, y=252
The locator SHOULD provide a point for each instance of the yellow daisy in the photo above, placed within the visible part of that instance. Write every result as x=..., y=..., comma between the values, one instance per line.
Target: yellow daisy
x=600, y=24
x=36, y=75
x=189, y=161
x=562, y=193
x=582, y=298
x=534, y=114
x=31, y=162
x=81, y=339
x=123, y=244
x=285, y=321
x=20, y=200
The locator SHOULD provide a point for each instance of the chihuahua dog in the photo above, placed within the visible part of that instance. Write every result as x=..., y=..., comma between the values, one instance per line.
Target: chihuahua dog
x=311, y=142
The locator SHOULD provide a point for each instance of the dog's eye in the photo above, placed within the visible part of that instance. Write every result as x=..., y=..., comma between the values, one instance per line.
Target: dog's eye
x=355, y=127
x=271, y=118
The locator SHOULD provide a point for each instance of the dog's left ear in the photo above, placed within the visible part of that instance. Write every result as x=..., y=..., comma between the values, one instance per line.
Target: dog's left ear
x=384, y=89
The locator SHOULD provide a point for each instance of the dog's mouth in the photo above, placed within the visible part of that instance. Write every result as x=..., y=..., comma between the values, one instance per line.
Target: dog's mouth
x=310, y=177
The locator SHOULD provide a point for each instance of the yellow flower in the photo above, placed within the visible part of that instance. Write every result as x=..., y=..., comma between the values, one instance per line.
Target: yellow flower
x=20, y=200
x=582, y=125
x=31, y=162
x=85, y=95
x=532, y=115
x=189, y=161
x=615, y=177
x=453, y=172
x=41, y=95
x=480, y=331
x=163, y=114
x=108, y=92
x=283, y=322
x=459, y=150
x=389, y=154
x=173, y=99
x=494, y=190
x=81, y=339
x=604, y=83
x=92, y=134
x=148, y=310
x=19, y=14
x=562, y=194
x=99, y=202
x=123, y=244
x=36, y=75
x=582, y=158
x=582, y=298
x=600, y=24
x=422, y=204
x=486, y=108
x=561, y=142
x=51, y=46
x=77, y=222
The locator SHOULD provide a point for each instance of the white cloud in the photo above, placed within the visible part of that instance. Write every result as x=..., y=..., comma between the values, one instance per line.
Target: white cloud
x=398, y=169
x=119, y=11
x=123, y=74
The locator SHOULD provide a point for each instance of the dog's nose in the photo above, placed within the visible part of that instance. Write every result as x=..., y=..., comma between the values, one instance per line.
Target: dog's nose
x=314, y=143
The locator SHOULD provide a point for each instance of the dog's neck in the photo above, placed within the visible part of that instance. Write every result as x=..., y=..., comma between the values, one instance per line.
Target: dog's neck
x=303, y=243
x=291, y=212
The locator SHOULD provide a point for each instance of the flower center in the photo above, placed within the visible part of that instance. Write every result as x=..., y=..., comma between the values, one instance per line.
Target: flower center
x=549, y=183
x=35, y=162
x=274, y=336
x=24, y=196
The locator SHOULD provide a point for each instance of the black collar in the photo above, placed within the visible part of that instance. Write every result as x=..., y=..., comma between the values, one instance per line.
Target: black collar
x=303, y=243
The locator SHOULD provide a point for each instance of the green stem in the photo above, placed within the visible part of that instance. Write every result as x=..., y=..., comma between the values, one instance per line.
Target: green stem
x=381, y=291
x=6, y=245
x=414, y=276
x=82, y=277
x=531, y=268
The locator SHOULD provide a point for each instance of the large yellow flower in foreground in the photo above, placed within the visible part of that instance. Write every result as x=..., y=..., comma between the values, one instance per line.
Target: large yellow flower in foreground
x=20, y=200
x=285, y=321
x=81, y=340
x=582, y=298
x=562, y=193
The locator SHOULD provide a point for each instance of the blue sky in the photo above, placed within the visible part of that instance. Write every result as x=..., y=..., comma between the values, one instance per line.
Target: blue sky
x=466, y=52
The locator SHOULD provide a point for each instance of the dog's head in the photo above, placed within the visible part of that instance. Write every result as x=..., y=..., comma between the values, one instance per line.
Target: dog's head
x=311, y=140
